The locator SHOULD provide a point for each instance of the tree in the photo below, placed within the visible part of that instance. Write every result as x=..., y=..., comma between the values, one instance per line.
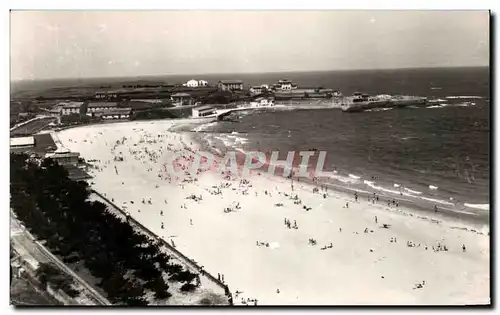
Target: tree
x=55, y=208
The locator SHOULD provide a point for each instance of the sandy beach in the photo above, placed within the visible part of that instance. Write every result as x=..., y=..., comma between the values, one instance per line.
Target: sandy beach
x=267, y=247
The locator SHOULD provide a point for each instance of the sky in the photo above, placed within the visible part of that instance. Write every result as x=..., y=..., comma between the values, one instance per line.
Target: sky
x=81, y=44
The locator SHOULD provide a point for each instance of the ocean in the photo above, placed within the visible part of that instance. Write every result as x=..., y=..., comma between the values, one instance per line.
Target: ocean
x=439, y=153
x=444, y=146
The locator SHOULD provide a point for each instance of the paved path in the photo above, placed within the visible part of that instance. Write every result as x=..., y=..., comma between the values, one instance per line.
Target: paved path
x=25, y=243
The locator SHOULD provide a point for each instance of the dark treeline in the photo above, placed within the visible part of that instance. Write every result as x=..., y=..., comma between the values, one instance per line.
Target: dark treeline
x=55, y=209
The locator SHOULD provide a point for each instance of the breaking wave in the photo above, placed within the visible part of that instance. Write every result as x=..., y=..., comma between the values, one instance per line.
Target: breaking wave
x=478, y=206
x=439, y=100
x=466, y=104
x=438, y=106
x=204, y=127
x=413, y=191
x=463, y=97
x=379, y=109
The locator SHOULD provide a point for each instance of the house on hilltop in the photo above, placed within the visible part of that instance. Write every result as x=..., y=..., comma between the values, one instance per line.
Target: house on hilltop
x=230, y=85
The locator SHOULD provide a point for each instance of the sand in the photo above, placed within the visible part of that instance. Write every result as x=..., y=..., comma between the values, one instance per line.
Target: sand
x=359, y=268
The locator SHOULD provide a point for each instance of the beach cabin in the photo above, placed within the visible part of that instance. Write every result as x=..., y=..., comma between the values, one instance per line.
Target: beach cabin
x=192, y=83
x=179, y=99
x=256, y=90
x=63, y=156
x=203, y=111
x=100, y=107
x=230, y=85
x=262, y=102
x=286, y=85
x=202, y=83
x=22, y=143
x=116, y=114
x=71, y=108
x=106, y=95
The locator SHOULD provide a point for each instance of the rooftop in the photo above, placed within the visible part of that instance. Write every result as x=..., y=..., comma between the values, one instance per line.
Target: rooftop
x=43, y=143
x=71, y=104
x=103, y=104
x=181, y=95
x=118, y=111
x=63, y=155
x=109, y=92
x=260, y=98
x=204, y=107
x=22, y=141
x=231, y=81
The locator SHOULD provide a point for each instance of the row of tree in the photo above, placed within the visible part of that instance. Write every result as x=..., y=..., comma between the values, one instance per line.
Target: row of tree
x=56, y=209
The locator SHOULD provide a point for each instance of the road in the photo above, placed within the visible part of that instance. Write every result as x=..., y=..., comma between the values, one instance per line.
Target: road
x=34, y=252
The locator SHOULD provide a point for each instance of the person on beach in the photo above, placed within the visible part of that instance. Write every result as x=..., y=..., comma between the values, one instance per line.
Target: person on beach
x=191, y=221
x=376, y=220
x=435, y=208
x=463, y=248
x=161, y=212
x=162, y=227
x=356, y=196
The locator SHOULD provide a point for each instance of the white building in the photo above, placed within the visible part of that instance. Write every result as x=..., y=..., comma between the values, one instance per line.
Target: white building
x=285, y=84
x=203, y=111
x=259, y=89
x=22, y=142
x=262, y=102
x=97, y=107
x=118, y=113
x=192, y=83
x=71, y=108
x=179, y=99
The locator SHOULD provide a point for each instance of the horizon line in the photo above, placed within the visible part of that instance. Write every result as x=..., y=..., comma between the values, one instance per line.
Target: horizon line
x=244, y=73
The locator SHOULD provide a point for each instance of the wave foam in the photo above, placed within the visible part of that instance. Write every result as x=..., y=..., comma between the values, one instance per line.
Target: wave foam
x=466, y=104
x=463, y=97
x=438, y=201
x=378, y=109
x=439, y=100
x=478, y=206
x=413, y=191
x=354, y=176
x=433, y=187
x=204, y=127
x=372, y=185
x=438, y=106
